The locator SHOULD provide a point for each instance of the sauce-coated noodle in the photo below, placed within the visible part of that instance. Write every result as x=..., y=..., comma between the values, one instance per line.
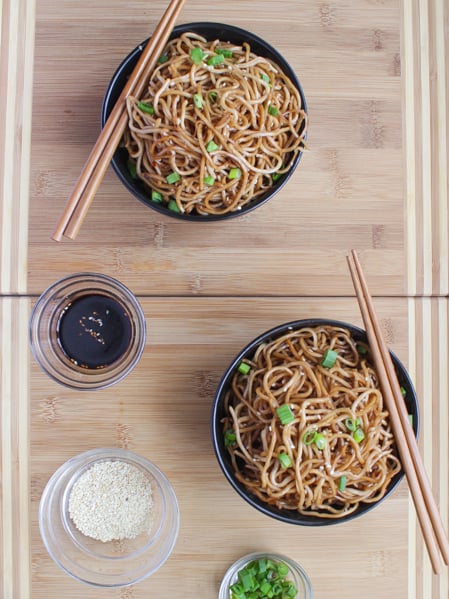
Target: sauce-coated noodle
x=342, y=403
x=224, y=132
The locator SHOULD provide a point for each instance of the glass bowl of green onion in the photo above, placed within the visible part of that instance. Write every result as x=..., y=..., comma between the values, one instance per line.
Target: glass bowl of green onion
x=222, y=183
x=297, y=415
x=262, y=575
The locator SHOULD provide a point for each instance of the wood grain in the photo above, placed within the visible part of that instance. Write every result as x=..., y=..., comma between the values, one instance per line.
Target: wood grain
x=346, y=192
x=375, y=74
x=162, y=410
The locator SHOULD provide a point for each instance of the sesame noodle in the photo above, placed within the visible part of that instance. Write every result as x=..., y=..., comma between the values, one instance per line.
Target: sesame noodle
x=336, y=403
x=224, y=132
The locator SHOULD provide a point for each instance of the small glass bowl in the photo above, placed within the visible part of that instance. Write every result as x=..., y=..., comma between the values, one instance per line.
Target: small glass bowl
x=296, y=574
x=44, y=331
x=116, y=563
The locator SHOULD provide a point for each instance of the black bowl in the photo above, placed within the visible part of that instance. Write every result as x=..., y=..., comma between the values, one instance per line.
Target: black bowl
x=289, y=516
x=210, y=31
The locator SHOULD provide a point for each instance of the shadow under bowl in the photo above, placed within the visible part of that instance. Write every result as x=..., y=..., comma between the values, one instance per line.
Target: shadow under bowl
x=210, y=31
x=218, y=412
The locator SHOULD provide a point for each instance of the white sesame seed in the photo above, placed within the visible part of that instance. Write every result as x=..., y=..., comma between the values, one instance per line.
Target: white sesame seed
x=111, y=500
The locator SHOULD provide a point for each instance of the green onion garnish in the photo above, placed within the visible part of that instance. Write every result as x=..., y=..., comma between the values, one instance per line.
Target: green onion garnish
x=309, y=437
x=362, y=349
x=410, y=419
x=209, y=180
x=172, y=205
x=132, y=168
x=285, y=414
x=358, y=435
x=244, y=368
x=342, y=483
x=276, y=176
x=197, y=55
x=350, y=424
x=262, y=579
x=265, y=77
x=144, y=107
x=172, y=178
x=156, y=196
x=163, y=58
x=198, y=100
x=320, y=441
x=403, y=392
x=234, y=173
x=273, y=110
x=212, y=146
x=329, y=358
x=230, y=438
x=224, y=52
x=213, y=96
x=215, y=60
x=284, y=459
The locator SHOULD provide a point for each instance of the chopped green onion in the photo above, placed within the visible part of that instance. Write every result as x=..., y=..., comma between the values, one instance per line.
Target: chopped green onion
x=263, y=579
x=320, y=441
x=309, y=437
x=276, y=176
x=132, y=168
x=215, y=60
x=144, y=107
x=198, y=100
x=362, y=349
x=342, y=483
x=358, y=435
x=329, y=358
x=244, y=368
x=163, y=58
x=224, y=52
x=209, y=180
x=350, y=424
x=285, y=414
x=285, y=460
x=156, y=196
x=410, y=418
x=172, y=178
x=230, y=438
x=213, y=96
x=273, y=110
x=212, y=146
x=265, y=77
x=172, y=205
x=197, y=55
x=234, y=173
x=403, y=392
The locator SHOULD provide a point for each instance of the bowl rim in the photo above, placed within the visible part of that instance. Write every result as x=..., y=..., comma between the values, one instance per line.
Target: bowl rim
x=220, y=452
x=131, y=58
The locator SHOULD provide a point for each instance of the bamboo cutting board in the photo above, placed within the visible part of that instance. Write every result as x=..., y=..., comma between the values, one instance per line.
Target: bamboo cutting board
x=375, y=75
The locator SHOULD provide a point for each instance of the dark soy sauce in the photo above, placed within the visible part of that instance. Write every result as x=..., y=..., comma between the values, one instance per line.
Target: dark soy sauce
x=94, y=331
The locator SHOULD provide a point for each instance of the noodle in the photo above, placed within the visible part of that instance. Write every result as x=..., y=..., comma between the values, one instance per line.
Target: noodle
x=333, y=404
x=224, y=132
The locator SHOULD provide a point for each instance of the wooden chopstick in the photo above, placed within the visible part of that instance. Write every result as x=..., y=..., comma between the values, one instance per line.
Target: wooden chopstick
x=429, y=518
x=101, y=155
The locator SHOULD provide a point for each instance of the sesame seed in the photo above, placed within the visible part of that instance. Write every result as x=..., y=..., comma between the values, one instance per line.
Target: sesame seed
x=112, y=500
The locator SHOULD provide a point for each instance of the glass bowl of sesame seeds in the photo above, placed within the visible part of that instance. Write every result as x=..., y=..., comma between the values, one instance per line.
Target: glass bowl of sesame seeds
x=109, y=517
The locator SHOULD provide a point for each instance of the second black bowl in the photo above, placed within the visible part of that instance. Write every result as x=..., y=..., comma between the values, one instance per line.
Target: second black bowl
x=218, y=412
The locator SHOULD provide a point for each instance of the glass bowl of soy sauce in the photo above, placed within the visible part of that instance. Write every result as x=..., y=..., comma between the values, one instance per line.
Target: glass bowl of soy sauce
x=87, y=331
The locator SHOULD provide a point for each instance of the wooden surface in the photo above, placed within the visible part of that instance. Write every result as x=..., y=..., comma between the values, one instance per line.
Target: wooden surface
x=375, y=75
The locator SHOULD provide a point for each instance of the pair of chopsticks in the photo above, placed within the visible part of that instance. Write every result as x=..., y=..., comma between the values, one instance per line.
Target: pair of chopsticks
x=101, y=155
x=429, y=518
